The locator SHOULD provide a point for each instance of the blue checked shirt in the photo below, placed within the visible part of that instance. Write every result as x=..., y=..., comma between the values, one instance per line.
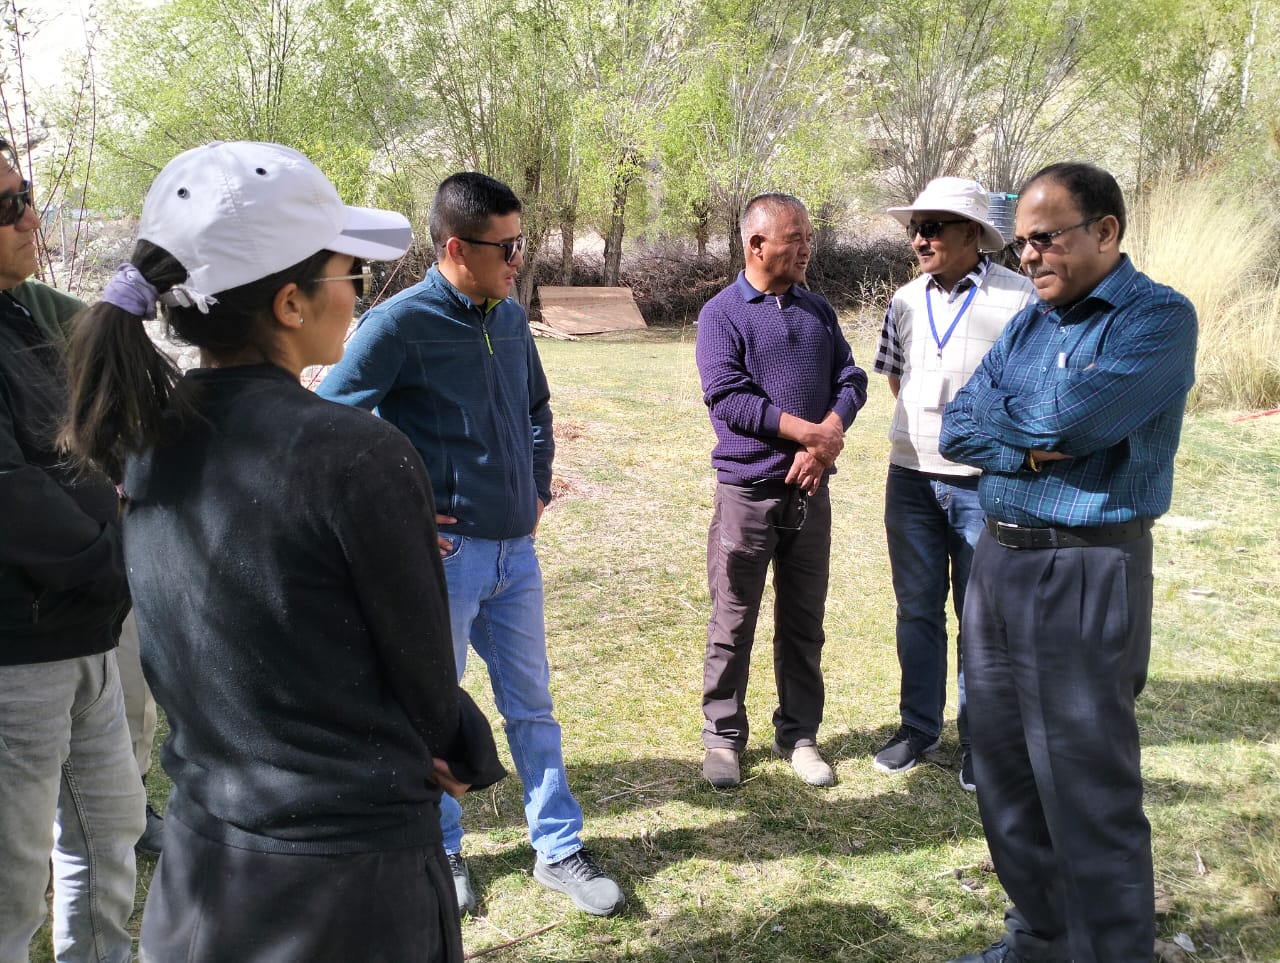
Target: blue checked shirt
x=1104, y=381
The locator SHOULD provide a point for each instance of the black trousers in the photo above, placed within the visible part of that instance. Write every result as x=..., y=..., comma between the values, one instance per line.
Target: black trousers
x=751, y=528
x=211, y=903
x=1056, y=645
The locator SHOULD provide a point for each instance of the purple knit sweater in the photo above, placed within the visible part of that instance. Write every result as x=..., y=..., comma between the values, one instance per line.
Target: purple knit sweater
x=760, y=355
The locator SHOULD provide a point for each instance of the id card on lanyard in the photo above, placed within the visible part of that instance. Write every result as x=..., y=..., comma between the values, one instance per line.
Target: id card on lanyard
x=933, y=384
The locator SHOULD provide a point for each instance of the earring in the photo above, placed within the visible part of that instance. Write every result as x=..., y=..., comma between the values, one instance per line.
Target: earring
x=302, y=321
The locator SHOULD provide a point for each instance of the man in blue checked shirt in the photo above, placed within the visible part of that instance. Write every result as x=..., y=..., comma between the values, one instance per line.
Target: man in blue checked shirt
x=1074, y=418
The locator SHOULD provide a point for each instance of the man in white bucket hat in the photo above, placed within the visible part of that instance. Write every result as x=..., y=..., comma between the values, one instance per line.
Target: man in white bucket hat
x=936, y=330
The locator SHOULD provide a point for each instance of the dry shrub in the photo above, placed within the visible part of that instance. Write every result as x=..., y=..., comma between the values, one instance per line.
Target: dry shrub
x=672, y=283
x=1198, y=238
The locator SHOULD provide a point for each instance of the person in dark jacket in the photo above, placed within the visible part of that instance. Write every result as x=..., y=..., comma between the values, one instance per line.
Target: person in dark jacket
x=68, y=786
x=305, y=665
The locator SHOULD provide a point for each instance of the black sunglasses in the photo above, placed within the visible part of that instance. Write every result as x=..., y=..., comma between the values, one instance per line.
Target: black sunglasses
x=13, y=206
x=509, y=248
x=362, y=282
x=1043, y=240
x=930, y=229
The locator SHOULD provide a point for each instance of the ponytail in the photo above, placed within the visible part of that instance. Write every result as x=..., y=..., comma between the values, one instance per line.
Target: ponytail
x=126, y=394
x=121, y=384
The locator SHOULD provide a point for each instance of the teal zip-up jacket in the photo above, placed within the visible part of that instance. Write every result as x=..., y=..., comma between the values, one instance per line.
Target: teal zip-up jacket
x=467, y=387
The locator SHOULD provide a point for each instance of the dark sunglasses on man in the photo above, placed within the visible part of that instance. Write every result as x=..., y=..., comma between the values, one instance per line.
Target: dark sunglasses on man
x=13, y=205
x=509, y=248
x=929, y=229
x=1043, y=240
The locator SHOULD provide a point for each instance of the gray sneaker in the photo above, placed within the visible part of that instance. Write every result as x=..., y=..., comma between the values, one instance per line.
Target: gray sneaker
x=579, y=878
x=462, y=884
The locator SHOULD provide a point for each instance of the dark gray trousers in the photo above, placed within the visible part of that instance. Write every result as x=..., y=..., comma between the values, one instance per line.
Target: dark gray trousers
x=751, y=528
x=1056, y=644
x=211, y=903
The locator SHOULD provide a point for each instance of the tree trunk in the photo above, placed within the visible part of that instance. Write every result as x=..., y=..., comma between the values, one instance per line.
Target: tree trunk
x=568, y=225
x=736, y=259
x=524, y=283
x=624, y=176
x=613, y=249
x=702, y=225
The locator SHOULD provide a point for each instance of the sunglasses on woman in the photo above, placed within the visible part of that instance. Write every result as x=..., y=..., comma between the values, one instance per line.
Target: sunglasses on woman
x=362, y=282
x=15, y=204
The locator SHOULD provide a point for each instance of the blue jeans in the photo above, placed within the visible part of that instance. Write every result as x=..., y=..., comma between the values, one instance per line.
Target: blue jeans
x=932, y=527
x=68, y=786
x=495, y=606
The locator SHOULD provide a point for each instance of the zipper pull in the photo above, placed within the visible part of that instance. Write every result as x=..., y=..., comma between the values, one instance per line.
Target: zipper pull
x=488, y=343
x=778, y=298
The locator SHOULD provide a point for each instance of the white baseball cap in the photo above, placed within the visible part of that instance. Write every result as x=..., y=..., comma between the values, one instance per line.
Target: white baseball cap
x=232, y=212
x=956, y=195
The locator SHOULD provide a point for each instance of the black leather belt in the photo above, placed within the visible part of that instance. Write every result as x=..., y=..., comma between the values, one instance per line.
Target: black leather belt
x=1019, y=536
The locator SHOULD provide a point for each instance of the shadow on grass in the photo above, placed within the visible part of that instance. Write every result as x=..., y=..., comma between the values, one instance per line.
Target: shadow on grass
x=808, y=930
x=1209, y=710
x=772, y=815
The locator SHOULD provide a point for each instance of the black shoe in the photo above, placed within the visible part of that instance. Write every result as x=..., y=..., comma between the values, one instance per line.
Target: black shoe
x=966, y=773
x=579, y=878
x=462, y=883
x=995, y=953
x=905, y=749
x=152, y=839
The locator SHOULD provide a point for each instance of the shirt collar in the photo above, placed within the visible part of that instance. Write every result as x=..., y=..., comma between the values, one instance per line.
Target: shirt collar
x=971, y=280
x=749, y=294
x=1110, y=290
x=484, y=307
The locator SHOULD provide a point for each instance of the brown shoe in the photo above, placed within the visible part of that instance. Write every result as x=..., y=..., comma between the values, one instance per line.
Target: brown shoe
x=720, y=766
x=807, y=763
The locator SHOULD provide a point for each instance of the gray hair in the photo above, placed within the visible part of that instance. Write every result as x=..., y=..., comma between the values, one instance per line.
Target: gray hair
x=764, y=207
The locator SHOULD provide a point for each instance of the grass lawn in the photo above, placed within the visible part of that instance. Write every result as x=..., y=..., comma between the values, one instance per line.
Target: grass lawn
x=879, y=867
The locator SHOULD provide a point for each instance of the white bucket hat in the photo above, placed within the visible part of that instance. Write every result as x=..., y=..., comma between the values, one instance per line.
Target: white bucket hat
x=956, y=195
x=234, y=212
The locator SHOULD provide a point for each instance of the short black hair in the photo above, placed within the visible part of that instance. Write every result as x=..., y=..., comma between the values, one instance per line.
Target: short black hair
x=464, y=203
x=1094, y=191
x=8, y=154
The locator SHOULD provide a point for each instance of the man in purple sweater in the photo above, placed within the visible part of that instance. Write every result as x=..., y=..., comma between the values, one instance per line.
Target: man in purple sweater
x=781, y=386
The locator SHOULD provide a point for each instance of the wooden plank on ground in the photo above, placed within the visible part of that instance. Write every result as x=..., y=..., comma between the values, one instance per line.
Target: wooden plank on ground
x=583, y=310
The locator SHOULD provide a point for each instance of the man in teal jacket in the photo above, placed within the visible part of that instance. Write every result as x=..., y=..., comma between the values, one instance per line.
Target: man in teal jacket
x=451, y=362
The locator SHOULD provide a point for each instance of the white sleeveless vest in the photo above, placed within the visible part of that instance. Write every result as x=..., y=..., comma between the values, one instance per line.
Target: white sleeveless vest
x=915, y=429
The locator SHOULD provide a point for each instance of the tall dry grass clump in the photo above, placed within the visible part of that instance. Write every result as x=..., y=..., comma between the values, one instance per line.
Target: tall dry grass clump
x=1195, y=237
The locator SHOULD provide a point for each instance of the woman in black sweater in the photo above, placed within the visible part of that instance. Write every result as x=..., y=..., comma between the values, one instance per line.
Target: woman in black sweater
x=281, y=554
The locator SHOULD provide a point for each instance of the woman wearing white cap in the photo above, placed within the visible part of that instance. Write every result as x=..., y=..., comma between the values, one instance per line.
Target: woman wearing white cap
x=289, y=594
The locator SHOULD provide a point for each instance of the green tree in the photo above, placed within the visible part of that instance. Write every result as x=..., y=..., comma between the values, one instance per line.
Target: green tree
x=626, y=67
x=1048, y=65
x=298, y=72
x=766, y=106
x=492, y=92
x=1184, y=80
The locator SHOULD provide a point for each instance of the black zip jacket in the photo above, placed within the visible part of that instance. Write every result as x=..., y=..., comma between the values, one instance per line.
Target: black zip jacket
x=294, y=622
x=63, y=590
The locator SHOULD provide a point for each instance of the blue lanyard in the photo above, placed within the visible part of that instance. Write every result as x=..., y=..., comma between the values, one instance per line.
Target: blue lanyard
x=928, y=303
